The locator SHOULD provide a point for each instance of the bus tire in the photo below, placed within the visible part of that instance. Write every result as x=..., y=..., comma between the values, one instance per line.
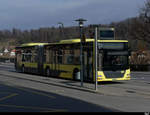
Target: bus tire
x=48, y=72
x=76, y=74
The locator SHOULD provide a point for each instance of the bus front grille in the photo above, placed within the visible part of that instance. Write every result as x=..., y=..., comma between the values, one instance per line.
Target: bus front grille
x=113, y=74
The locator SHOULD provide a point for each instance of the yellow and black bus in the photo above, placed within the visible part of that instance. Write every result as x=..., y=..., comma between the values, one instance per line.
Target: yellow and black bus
x=62, y=59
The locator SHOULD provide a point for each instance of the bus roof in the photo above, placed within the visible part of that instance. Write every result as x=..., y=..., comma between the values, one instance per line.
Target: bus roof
x=32, y=44
x=70, y=41
x=88, y=40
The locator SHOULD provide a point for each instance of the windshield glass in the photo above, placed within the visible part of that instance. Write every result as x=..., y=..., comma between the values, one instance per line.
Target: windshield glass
x=115, y=60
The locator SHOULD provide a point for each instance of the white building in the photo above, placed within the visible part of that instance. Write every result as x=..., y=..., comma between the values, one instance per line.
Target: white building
x=12, y=53
x=6, y=51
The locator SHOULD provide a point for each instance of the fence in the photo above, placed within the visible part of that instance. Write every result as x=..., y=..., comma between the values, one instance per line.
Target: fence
x=7, y=60
x=140, y=67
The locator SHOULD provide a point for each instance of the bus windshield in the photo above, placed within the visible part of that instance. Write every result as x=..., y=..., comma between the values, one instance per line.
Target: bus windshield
x=115, y=60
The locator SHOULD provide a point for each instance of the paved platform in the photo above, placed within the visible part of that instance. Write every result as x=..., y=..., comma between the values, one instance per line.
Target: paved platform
x=103, y=88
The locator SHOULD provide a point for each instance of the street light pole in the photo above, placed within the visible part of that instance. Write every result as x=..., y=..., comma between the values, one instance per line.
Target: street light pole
x=95, y=58
x=81, y=49
x=61, y=24
x=62, y=27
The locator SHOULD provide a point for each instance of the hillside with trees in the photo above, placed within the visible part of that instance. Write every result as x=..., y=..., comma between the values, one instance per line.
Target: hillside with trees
x=136, y=30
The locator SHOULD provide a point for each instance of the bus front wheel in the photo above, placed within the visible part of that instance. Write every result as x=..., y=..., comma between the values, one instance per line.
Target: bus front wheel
x=76, y=75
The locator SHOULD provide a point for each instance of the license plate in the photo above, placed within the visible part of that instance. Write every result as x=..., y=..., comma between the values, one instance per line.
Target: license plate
x=113, y=79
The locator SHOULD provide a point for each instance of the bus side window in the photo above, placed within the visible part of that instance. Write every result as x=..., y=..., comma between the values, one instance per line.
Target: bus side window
x=60, y=57
x=69, y=56
x=48, y=57
x=77, y=56
x=44, y=58
x=70, y=59
x=52, y=55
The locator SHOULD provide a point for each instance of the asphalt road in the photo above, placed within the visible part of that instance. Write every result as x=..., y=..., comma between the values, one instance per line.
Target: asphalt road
x=32, y=93
x=20, y=99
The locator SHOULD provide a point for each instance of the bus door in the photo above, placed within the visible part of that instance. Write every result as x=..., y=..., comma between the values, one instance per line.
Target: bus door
x=100, y=54
x=40, y=59
x=52, y=62
x=55, y=64
x=85, y=66
x=88, y=66
x=99, y=57
x=18, y=59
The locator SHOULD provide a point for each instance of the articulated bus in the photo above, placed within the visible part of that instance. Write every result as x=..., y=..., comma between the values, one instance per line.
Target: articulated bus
x=62, y=59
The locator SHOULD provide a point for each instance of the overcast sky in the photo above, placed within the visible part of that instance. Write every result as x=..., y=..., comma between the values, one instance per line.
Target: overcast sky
x=32, y=14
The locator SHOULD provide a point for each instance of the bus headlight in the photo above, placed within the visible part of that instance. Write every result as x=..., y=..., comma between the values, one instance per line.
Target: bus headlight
x=100, y=76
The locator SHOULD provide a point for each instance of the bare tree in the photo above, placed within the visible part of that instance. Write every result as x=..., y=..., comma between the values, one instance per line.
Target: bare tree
x=145, y=12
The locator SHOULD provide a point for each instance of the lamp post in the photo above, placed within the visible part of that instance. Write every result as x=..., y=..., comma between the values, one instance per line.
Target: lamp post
x=81, y=21
x=61, y=28
x=61, y=24
x=96, y=27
